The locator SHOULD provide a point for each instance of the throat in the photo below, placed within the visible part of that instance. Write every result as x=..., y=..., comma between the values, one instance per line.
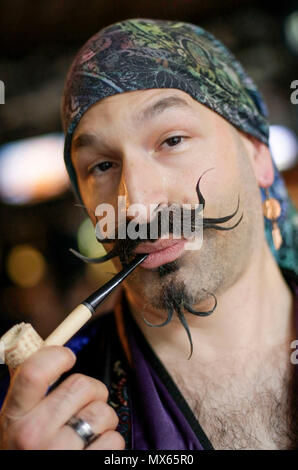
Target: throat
x=252, y=407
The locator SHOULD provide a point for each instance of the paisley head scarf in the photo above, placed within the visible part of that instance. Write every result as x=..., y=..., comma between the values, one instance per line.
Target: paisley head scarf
x=140, y=54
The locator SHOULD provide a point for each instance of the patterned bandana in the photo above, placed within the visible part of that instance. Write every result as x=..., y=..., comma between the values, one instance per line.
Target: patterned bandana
x=140, y=54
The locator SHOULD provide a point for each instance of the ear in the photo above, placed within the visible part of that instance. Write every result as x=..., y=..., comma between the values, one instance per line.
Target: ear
x=261, y=160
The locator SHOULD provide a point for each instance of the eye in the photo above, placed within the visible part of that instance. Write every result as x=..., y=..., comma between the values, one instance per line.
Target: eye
x=173, y=141
x=101, y=167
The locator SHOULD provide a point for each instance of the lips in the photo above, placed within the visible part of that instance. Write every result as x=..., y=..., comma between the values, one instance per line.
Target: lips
x=160, y=252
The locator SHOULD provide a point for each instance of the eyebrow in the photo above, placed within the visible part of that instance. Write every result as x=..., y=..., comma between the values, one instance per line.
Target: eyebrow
x=160, y=106
x=84, y=140
x=89, y=140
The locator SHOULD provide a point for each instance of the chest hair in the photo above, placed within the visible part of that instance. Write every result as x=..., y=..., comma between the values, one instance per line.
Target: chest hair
x=253, y=407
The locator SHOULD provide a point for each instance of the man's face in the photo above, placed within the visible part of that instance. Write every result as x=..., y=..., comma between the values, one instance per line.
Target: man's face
x=152, y=146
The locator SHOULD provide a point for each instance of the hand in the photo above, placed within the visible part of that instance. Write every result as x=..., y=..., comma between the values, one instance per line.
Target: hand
x=31, y=420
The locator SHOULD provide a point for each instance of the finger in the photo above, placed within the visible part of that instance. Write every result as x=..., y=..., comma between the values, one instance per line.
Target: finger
x=73, y=394
x=100, y=417
x=110, y=440
x=40, y=426
x=33, y=378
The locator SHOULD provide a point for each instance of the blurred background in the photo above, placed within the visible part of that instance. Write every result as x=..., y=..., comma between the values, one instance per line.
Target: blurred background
x=41, y=281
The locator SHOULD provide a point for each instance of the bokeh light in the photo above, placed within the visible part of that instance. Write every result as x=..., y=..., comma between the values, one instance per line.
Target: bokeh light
x=291, y=31
x=89, y=246
x=26, y=266
x=284, y=147
x=87, y=242
x=33, y=169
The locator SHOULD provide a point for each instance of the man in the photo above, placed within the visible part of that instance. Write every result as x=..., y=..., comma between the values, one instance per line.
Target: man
x=161, y=113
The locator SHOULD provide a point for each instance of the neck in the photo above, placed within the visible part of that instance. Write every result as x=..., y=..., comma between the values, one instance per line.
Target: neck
x=254, y=314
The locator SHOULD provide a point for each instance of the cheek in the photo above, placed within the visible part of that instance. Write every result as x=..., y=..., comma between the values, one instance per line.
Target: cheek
x=225, y=153
x=211, y=166
x=86, y=196
x=90, y=196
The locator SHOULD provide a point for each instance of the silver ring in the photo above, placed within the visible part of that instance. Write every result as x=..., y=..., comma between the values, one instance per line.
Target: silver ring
x=83, y=429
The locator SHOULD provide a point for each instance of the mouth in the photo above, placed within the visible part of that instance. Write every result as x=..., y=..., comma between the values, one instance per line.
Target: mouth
x=160, y=252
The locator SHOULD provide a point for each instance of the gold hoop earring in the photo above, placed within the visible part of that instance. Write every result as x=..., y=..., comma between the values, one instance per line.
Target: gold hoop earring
x=272, y=210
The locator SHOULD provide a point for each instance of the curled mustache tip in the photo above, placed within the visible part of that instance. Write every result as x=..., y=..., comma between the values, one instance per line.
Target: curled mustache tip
x=201, y=314
x=200, y=195
x=169, y=318
x=101, y=259
x=185, y=326
x=221, y=220
x=217, y=227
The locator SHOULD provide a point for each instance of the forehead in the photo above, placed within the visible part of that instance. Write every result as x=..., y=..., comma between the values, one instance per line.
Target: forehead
x=140, y=105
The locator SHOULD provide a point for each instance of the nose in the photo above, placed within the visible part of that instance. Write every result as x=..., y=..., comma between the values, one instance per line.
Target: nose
x=144, y=185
